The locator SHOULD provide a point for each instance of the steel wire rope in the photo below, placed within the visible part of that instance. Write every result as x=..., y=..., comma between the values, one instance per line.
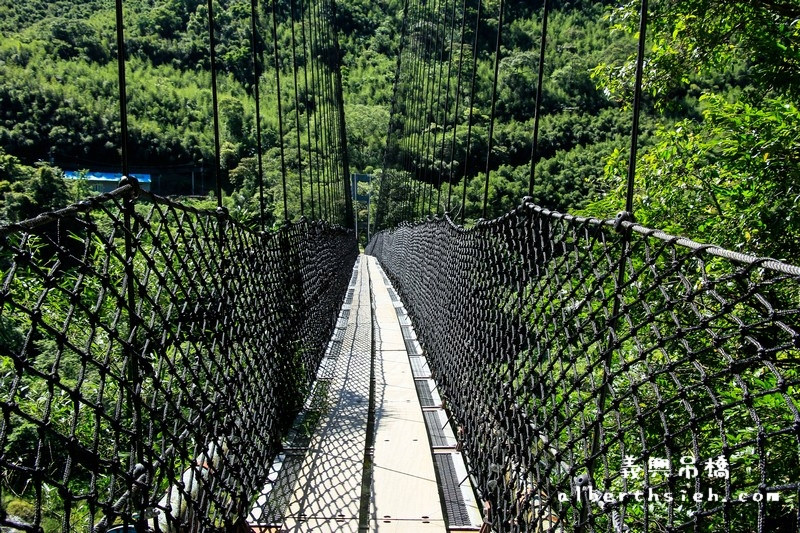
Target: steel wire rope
x=438, y=91
x=538, y=104
x=446, y=103
x=343, y=181
x=256, y=56
x=319, y=107
x=493, y=106
x=427, y=110
x=453, y=161
x=597, y=430
x=409, y=110
x=214, y=100
x=421, y=115
x=409, y=104
x=307, y=111
x=296, y=108
x=384, y=188
x=314, y=114
x=279, y=107
x=471, y=108
x=330, y=115
x=132, y=370
x=325, y=115
x=122, y=89
x=344, y=156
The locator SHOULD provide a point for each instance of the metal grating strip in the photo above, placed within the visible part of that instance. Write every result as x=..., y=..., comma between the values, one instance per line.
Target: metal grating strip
x=408, y=332
x=410, y=347
x=419, y=367
x=435, y=429
x=424, y=394
x=457, y=514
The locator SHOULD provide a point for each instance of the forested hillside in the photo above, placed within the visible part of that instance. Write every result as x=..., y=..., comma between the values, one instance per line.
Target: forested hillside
x=720, y=128
x=719, y=161
x=719, y=134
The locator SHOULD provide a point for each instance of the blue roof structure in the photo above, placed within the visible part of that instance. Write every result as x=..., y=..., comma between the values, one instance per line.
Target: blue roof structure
x=105, y=176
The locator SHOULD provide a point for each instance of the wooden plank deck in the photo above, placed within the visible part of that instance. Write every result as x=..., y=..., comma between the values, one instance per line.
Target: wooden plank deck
x=327, y=493
x=404, y=492
x=321, y=488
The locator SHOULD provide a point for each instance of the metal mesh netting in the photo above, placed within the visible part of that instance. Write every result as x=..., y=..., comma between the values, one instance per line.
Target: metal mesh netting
x=605, y=376
x=152, y=355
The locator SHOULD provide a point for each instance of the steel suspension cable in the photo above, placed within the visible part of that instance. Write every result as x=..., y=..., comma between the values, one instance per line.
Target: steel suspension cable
x=256, y=54
x=340, y=133
x=322, y=193
x=332, y=116
x=343, y=149
x=423, y=120
x=438, y=90
x=626, y=242
x=406, y=131
x=637, y=108
x=538, y=109
x=329, y=119
x=214, y=101
x=307, y=110
x=319, y=108
x=296, y=108
x=325, y=117
x=471, y=108
x=279, y=106
x=132, y=370
x=446, y=104
x=412, y=100
x=384, y=188
x=453, y=161
x=123, y=96
x=494, y=104
x=427, y=82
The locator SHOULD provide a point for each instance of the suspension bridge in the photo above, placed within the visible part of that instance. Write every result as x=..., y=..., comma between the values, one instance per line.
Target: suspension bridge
x=169, y=368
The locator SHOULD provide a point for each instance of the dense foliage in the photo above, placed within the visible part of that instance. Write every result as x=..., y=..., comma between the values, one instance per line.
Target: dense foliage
x=724, y=80
x=59, y=100
x=721, y=127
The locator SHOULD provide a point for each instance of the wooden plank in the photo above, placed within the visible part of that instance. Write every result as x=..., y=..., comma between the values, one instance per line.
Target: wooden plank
x=319, y=526
x=327, y=493
x=405, y=495
x=407, y=526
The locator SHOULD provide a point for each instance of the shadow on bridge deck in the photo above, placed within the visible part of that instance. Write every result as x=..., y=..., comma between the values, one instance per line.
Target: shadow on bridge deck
x=372, y=450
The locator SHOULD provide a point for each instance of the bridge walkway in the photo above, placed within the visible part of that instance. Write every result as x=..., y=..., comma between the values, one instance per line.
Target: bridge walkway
x=373, y=449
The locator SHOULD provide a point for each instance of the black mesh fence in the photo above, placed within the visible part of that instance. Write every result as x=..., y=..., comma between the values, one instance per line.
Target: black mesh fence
x=151, y=355
x=609, y=377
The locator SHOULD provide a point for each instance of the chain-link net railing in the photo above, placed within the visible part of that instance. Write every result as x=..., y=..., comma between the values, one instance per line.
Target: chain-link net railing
x=151, y=356
x=609, y=377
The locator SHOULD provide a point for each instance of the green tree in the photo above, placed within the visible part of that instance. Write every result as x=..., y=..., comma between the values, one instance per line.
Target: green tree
x=45, y=190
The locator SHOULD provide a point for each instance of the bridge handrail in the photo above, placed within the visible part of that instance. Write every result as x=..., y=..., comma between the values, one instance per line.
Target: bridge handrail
x=572, y=352
x=140, y=335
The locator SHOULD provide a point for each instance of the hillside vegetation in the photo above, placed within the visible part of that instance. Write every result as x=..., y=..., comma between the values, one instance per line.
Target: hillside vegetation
x=720, y=132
